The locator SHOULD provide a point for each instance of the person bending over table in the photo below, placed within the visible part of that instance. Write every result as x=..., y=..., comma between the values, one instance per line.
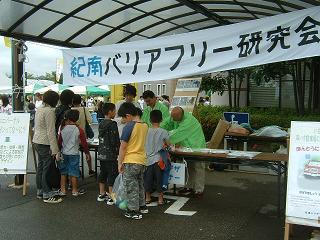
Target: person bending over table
x=186, y=131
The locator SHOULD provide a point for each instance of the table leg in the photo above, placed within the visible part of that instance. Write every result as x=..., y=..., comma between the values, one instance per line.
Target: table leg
x=82, y=166
x=96, y=163
x=287, y=231
x=279, y=187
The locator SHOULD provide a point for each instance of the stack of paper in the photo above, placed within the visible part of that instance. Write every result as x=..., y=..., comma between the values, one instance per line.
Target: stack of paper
x=242, y=154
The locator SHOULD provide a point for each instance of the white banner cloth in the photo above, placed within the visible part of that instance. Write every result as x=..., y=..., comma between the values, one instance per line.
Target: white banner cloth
x=282, y=37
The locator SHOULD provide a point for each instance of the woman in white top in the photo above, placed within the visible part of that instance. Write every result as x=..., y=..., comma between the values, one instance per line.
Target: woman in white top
x=83, y=114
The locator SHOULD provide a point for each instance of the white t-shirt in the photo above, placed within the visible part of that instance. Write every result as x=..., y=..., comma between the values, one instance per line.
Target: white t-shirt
x=38, y=104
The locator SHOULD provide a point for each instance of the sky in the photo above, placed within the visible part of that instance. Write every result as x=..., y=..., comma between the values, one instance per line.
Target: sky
x=41, y=59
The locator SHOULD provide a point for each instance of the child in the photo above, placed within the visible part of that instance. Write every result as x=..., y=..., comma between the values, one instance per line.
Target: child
x=69, y=138
x=156, y=139
x=139, y=113
x=132, y=160
x=108, y=151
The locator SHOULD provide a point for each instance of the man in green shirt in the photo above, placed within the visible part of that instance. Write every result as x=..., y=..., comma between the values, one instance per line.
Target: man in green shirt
x=186, y=131
x=153, y=104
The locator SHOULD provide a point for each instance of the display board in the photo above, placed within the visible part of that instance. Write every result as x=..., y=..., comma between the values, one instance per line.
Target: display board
x=303, y=190
x=186, y=93
x=14, y=135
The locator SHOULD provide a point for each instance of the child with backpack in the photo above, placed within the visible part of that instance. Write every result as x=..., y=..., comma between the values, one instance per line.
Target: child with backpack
x=157, y=138
x=108, y=152
x=70, y=136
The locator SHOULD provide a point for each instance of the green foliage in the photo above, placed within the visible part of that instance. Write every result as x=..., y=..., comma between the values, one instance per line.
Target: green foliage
x=265, y=73
x=51, y=76
x=217, y=84
x=209, y=117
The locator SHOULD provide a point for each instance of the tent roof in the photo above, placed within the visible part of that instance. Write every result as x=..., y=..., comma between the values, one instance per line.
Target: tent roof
x=84, y=23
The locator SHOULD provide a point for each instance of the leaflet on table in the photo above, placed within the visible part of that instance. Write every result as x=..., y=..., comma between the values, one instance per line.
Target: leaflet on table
x=242, y=154
x=203, y=150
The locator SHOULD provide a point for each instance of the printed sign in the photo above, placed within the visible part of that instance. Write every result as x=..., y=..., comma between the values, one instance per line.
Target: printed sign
x=177, y=174
x=303, y=192
x=14, y=134
x=278, y=38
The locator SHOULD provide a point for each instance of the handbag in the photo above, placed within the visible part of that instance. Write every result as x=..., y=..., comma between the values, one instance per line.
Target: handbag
x=89, y=131
x=53, y=175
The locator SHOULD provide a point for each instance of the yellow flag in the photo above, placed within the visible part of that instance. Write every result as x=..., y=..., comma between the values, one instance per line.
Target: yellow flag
x=7, y=42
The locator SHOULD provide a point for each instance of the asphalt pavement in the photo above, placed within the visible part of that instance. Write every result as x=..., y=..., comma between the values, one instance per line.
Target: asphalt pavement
x=235, y=206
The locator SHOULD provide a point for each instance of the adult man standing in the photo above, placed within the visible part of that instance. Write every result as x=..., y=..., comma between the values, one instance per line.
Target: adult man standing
x=153, y=104
x=186, y=131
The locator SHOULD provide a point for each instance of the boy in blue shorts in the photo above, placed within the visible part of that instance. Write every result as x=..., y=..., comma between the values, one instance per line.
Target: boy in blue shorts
x=132, y=160
x=70, y=136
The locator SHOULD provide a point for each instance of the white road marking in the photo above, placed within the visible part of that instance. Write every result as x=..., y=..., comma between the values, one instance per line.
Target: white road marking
x=174, y=209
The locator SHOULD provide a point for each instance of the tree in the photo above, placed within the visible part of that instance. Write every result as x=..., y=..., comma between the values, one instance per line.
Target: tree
x=214, y=84
x=51, y=76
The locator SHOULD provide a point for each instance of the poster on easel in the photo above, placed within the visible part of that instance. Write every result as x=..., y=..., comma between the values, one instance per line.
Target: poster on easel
x=14, y=136
x=186, y=93
x=303, y=187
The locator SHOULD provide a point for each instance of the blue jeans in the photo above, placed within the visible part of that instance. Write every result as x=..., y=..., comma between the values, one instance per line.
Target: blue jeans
x=44, y=160
x=70, y=165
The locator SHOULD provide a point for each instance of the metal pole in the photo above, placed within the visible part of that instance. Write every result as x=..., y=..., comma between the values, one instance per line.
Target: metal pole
x=17, y=86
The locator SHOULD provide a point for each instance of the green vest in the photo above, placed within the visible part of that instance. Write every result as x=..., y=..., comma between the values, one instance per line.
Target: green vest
x=187, y=133
x=159, y=106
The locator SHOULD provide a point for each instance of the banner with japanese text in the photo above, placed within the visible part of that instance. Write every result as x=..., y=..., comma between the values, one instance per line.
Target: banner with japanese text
x=303, y=189
x=282, y=37
x=14, y=136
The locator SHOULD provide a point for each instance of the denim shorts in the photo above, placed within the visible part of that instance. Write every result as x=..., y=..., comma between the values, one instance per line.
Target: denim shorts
x=70, y=165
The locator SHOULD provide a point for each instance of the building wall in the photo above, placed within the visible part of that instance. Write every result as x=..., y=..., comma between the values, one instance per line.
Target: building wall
x=117, y=92
x=165, y=87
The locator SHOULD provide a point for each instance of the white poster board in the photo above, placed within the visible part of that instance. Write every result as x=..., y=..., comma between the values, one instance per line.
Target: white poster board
x=177, y=174
x=303, y=191
x=186, y=93
x=14, y=135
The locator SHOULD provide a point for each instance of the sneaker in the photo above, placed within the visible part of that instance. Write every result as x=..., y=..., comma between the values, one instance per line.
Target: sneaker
x=143, y=209
x=61, y=194
x=39, y=196
x=133, y=215
x=54, y=199
x=102, y=197
x=92, y=173
x=80, y=192
x=110, y=202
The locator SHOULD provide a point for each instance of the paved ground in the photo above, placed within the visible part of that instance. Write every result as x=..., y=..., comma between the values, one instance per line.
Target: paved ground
x=235, y=206
x=231, y=209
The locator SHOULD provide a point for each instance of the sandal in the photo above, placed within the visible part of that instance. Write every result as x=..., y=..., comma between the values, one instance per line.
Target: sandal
x=165, y=201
